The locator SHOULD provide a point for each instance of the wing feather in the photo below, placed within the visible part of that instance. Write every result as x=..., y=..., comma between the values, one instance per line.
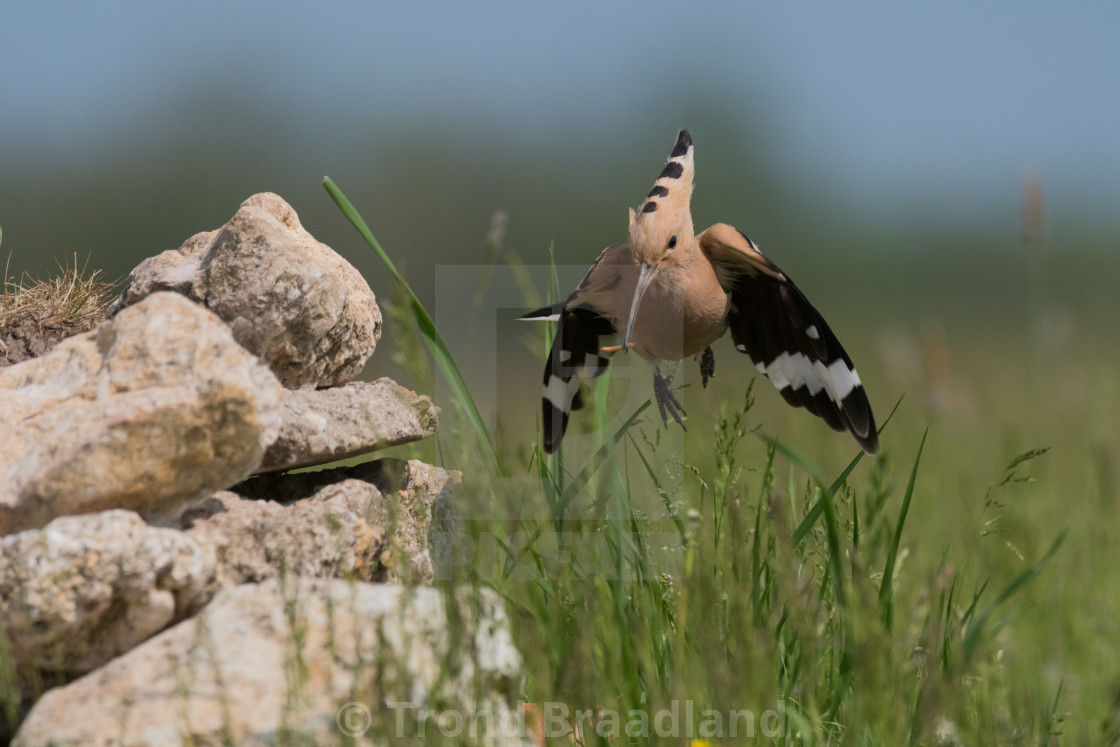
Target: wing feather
x=576, y=352
x=786, y=337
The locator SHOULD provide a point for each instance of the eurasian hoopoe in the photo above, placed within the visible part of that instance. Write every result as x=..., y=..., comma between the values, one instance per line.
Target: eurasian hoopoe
x=671, y=293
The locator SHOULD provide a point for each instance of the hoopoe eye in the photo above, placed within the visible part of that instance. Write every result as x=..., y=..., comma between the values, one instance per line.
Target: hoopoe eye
x=672, y=242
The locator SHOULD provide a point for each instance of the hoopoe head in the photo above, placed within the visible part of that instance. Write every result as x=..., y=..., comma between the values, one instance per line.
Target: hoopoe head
x=661, y=228
x=663, y=221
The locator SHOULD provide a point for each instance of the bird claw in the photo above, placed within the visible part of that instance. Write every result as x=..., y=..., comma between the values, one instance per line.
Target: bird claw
x=667, y=404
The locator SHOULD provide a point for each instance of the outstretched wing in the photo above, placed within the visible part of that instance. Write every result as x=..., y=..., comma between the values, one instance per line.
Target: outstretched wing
x=576, y=354
x=788, y=340
x=577, y=348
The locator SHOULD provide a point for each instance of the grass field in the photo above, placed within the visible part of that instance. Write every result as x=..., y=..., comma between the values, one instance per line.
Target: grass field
x=957, y=589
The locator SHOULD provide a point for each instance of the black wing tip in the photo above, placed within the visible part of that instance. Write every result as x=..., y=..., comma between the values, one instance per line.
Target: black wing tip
x=555, y=424
x=869, y=441
x=684, y=142
x=550, y=445
x=856, y=413
x=862, y=427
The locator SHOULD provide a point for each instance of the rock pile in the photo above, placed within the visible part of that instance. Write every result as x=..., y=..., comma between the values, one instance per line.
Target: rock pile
x=160, y=577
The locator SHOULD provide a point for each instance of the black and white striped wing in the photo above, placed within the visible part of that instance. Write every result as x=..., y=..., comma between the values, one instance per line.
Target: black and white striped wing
x=786, y=338
x=575, y=355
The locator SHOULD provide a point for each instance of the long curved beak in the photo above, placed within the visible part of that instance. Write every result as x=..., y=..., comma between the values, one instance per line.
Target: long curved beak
x=645, y=277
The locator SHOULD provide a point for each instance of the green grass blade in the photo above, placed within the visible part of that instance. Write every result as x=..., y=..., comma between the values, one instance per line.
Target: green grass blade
x=672, y=510
x=979, y=624
x=828, y=508
x=1053, y=718
x=886, y=596
x=428, y=331
x=597, y=460
x=855, y=537
x=810, y=519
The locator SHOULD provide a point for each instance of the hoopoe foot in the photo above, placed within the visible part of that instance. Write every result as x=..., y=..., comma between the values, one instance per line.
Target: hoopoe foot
x=666, y=402
x=707, y=366
x=615, y=348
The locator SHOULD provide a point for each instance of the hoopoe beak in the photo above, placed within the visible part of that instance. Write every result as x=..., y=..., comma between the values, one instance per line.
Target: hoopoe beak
x=645, y=277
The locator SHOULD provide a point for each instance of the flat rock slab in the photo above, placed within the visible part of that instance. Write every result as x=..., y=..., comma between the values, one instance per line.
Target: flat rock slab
x=155, y=408
x=289, y=299
x=276, y=663
x=324, y=425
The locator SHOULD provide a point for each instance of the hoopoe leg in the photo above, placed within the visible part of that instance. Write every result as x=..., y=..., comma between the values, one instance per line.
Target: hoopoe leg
x=707, y=366
x=666, y=402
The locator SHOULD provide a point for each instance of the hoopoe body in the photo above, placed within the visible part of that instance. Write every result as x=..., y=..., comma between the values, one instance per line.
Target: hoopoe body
x=683, y=308
x=671, y=293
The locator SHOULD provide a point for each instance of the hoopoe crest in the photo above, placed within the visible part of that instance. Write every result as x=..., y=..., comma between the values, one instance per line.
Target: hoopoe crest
x=670, y=293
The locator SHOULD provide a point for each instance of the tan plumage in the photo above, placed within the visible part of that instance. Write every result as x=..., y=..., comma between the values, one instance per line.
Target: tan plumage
x=671, y=293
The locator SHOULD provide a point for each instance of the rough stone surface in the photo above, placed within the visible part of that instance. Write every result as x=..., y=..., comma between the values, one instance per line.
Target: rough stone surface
x=325, y=425
x=289, y=299
x=403, y=501
x=84, y=589
x=154, y=408
x=276, y=662
x=322, y=536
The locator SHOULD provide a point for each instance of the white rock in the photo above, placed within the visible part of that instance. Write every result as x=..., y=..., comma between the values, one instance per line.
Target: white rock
x=283, y=659
x=156, y=407
x=84, y=589
x=289, y=299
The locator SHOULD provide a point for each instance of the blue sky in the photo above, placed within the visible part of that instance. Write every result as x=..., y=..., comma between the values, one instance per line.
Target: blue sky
x=884, y=102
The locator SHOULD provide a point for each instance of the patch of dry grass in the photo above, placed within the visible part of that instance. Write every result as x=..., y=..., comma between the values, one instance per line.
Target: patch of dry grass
x=35, y=314
x=71, y=298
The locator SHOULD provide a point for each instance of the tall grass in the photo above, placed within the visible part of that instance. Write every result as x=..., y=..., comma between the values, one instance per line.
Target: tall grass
x=738, y=583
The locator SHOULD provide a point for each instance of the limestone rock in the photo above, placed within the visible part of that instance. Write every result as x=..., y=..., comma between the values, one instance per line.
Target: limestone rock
x=84, y=589
x=156, y=407
x=398, y=499
x=289, y=299
x=321, y=536
x=299, y=662
x=325, y=425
